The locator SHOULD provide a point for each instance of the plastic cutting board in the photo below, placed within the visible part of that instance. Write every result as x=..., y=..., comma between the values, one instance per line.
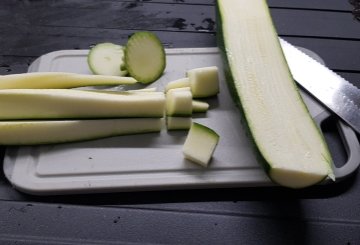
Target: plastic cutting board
x=150, y=161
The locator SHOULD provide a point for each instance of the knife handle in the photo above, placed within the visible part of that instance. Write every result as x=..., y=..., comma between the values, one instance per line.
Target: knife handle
x=351, y=145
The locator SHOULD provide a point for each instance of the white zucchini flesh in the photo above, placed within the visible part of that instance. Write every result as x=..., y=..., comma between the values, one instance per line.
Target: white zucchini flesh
x=178, y=123
x=200, y=144
x=179, y=83
x=45, y=132
x=153, y=89
x=294, y=151
x=107, y=59
x=199, y=106
x=127, y=92
x=59, y=80
x=204, y=81
x=66, y=103
x=179, y=102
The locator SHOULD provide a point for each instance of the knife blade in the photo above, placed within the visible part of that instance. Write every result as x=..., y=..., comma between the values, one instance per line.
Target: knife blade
x=336, y=93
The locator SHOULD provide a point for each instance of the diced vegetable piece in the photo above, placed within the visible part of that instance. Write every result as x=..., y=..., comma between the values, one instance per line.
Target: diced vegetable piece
x=59, y=80
x=199, y=106
x=145, y=57
x=200, y=144
x=179, y=83
x=46, y=132
x=291, y=146
x=66, y=103
x=179, y=102
x=107, y=59
x=204, y=81
x=178, y=123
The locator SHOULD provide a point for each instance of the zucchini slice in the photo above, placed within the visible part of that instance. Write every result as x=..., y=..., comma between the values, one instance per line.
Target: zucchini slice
x=145, y=57
x=66, y=103
x=25, y=132
x=291, y=146
x=107, y=59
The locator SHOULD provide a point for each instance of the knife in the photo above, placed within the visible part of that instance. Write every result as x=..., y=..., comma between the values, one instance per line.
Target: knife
x=339, y=95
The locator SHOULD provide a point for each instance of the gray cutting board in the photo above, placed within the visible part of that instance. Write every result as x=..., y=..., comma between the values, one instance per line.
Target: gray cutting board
x=149, y=161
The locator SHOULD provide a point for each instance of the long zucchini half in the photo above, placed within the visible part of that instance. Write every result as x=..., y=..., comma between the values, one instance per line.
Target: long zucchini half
x=66, y=103
x=45, y=132
x=290, y=145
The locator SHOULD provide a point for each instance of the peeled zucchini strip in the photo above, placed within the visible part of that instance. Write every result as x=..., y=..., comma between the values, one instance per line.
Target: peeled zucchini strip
x=199, y=106
x=179, y=102
x=200, y=144
x=143, y=90
x=179, y=83
x=127, y=92
x=66, y=103
x=46, y=132
x=59, y=80
x=293, y=150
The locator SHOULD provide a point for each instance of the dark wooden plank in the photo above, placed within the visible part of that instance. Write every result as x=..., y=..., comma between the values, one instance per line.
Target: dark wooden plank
x=39, y=223
x=149, y=16
x=154, y=16
x=13, y=64
x=336, y=5
x=95, y=4
x=316, y=24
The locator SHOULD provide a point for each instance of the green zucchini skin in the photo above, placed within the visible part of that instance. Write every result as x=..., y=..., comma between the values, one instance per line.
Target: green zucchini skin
x=265, y=163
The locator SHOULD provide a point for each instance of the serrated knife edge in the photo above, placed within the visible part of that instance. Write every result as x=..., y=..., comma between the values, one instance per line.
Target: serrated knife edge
x=339, y=95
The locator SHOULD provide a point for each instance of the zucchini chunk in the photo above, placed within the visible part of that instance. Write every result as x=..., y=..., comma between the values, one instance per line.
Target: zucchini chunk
x=200, y=144
x=179, y=102
x=178, y=123
x=289, y=143
x=204, y=81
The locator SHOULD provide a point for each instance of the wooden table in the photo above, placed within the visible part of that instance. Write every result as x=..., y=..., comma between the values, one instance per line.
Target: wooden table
x=319, y=215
